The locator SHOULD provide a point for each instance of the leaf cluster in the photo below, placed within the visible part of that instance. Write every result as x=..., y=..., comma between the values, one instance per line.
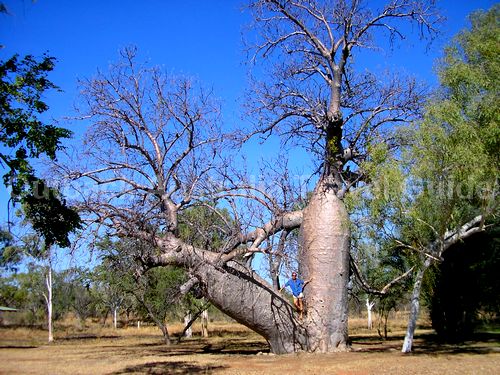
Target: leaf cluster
x=23, y=83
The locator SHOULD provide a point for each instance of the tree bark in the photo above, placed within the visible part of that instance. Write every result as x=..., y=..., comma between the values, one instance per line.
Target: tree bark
x=324, y=258
x=105, y=317
x=251, y=301
x=415, y=307
x=164, y=331
x=188, y=323
x=115, y=313
x=48, y=281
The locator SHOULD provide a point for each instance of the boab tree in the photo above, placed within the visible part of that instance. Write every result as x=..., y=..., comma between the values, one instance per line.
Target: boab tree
x=314, y=96
x=157, y=145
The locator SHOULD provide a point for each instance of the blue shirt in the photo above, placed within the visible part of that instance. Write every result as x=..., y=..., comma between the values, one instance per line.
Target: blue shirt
x=296, y=286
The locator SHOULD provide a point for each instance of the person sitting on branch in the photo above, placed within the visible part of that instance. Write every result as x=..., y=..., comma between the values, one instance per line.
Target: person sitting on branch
x=297, y=288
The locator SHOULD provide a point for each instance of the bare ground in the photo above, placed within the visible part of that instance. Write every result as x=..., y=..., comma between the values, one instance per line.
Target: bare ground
x=233, y=349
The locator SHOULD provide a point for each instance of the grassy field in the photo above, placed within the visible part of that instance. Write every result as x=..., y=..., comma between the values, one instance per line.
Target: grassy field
x=233, y=349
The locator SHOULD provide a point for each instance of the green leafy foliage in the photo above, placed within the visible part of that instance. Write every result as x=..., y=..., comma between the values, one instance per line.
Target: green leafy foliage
x=25, y=291
x=447, y=173
x=111, y=289
x=10, y=254
x=205, y=226
x=455, y=153
x=11, y=294
x=157, y=290
x=24, y=136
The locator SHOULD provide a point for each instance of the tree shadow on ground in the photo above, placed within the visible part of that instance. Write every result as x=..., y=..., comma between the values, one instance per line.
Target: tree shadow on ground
x=429, y=344
x=195, y=346
x=86, y=336
x=481, y=343
x=177, y=368
x=220, y=332
x=18, y=347
x=239, y=346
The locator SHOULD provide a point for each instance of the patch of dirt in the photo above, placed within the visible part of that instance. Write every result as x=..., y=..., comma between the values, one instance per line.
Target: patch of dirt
x=229, y=351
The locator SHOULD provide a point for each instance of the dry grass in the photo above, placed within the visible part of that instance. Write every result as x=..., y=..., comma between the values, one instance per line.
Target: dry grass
x=233, y=349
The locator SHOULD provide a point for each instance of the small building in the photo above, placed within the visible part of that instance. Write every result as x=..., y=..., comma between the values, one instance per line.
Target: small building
x=5, y=309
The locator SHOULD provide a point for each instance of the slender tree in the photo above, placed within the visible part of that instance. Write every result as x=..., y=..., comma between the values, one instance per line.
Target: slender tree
x=36, y=250
x=460, y=165
x=443, y=188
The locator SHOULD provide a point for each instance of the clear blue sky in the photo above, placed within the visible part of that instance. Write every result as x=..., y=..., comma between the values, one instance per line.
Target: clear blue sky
x=196, y=37
x=200, y=38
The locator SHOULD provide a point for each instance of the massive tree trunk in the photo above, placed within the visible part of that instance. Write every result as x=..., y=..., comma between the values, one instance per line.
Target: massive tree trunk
x=250, y=300
x=246, y=297
x=324, y=258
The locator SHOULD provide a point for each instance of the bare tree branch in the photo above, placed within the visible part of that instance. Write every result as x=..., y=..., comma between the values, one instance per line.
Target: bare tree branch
x=367, y=288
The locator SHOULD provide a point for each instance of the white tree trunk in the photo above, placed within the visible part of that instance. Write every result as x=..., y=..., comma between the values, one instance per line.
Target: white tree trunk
x=204, y=323
x=369, y=307
x=115, y=313
x=415, y=307
x=450, y=238
x=48, y=300
x=187, y=319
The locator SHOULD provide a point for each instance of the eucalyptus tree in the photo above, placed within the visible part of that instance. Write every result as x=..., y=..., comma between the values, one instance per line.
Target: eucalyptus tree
x=157, y=144
x=444, y=188
x=110, y=289
x=456, y=153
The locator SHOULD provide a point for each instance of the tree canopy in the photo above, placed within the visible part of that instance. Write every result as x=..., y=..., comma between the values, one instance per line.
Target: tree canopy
x=442, y=187
x=24, y=136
